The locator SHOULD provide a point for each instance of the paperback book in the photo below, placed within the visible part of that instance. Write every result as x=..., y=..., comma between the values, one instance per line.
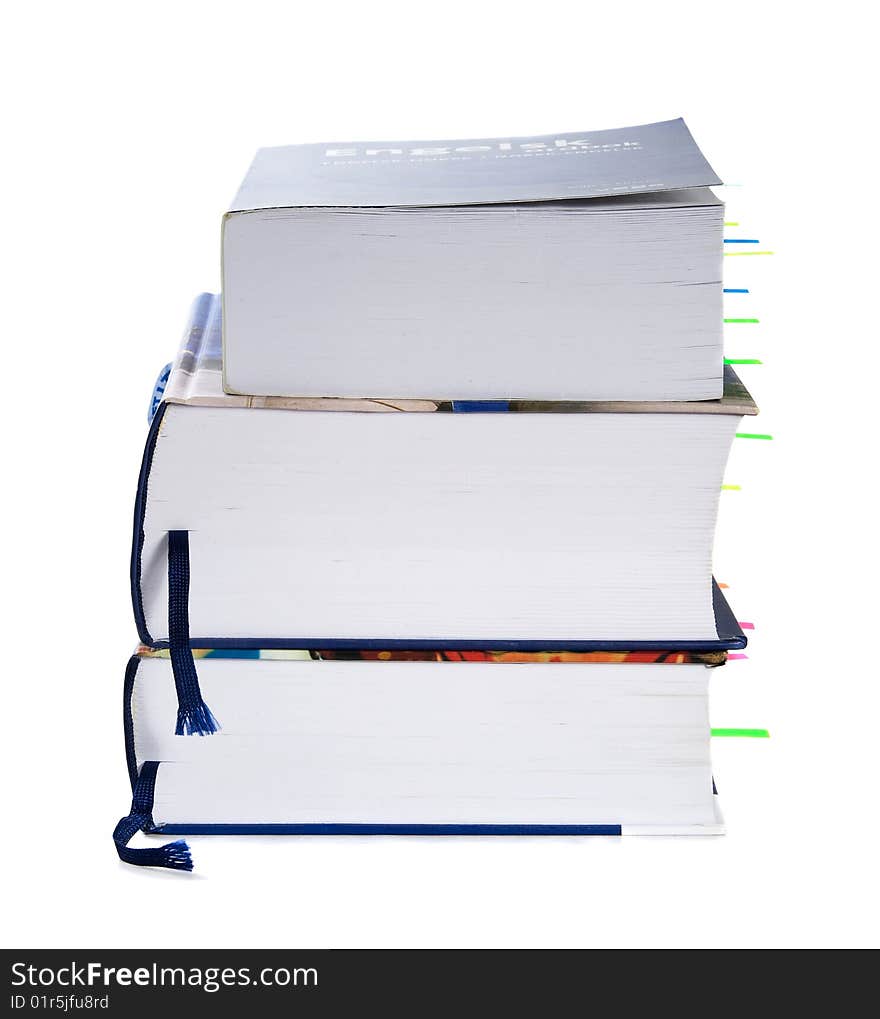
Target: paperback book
x=579, y=266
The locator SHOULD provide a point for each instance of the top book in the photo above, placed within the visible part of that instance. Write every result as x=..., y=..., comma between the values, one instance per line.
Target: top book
x=569, y=266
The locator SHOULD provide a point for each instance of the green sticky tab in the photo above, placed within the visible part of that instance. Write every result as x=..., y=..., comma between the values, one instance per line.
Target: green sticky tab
x=742, y=321
x=748, y=733
x=752, y=435
x=742, y=360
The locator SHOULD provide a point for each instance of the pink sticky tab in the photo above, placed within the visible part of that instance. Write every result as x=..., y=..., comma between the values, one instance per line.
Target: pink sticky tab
x=736, y=657
x=747, y=626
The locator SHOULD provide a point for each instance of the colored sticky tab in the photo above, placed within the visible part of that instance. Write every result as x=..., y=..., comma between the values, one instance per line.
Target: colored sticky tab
x=746, y=626
x=742, y=321
x=752, y=435
x=742, y=360
x=731, y=488
x=731, y=224
x=733, y=254
x=734, y=290
x=736, y=656
x=747, y=733
x=740, y=240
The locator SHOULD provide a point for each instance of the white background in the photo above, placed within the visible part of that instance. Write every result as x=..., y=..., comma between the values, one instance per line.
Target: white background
x=126, y=131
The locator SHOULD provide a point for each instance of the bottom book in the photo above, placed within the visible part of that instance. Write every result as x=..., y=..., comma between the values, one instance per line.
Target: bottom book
x=598, y=744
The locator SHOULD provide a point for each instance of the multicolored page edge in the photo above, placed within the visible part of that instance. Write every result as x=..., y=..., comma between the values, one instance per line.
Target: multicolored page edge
x=710, y=658
x=196, y=380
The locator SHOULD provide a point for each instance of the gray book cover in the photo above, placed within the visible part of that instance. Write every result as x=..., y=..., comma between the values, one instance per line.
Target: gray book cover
x=476, y=171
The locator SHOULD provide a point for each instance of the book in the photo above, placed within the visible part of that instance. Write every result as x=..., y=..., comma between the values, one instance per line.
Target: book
x=315, y=746
x=547, y=526
x=561, y=267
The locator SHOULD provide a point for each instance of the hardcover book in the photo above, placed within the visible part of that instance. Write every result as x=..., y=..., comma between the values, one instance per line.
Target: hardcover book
x=545, y=526
x=315, y=746
x=579, y=266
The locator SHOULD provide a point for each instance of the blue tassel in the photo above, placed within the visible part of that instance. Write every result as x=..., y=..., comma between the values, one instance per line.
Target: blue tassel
x=173, y=855
x=194, y=717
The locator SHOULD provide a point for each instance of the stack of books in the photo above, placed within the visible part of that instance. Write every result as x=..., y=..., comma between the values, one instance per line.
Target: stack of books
x=423, y=532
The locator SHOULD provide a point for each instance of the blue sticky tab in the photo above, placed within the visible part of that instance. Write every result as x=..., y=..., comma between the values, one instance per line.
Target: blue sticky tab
x=480, y=406
x=740, y=240
x=735, y=290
